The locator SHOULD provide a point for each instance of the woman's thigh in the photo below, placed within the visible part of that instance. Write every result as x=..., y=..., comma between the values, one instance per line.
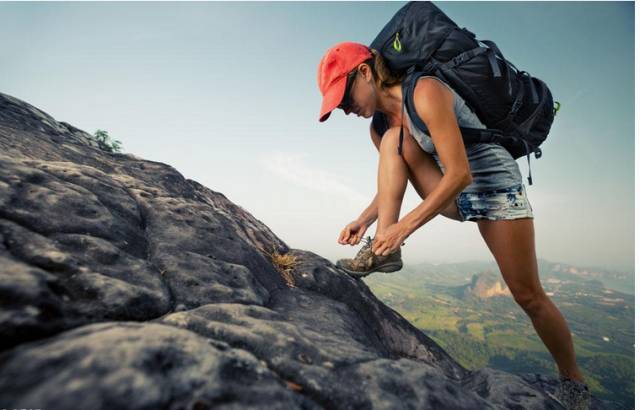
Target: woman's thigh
x=512, y=243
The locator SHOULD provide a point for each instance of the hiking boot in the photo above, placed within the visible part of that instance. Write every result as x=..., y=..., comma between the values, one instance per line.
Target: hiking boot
x=573, y=394
x=366, y=262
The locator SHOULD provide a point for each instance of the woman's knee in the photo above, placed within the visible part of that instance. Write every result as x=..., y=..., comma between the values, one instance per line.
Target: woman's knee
x=531, y=300
x=391, y=141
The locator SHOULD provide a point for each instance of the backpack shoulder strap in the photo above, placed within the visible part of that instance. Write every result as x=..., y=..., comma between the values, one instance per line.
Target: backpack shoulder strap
x=380, y=123
x=408, y=88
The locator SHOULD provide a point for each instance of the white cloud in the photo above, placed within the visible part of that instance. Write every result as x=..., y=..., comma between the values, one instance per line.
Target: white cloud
x=293, y=168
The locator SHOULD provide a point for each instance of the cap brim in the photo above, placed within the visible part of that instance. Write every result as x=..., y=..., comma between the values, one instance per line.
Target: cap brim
x=332, y=98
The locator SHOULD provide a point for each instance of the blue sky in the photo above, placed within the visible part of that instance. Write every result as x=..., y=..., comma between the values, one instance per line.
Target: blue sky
x=226, y=93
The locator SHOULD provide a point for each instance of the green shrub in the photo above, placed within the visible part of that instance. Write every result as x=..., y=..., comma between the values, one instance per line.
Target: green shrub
x=105, y=143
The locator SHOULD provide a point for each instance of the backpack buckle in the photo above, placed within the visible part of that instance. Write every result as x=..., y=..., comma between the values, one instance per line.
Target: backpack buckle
x=538, y=152
x=516, y=106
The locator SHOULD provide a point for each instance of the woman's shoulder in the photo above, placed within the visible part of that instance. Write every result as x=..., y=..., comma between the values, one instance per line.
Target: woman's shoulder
x=432, y=79
x=464, y=114
x=431, y=94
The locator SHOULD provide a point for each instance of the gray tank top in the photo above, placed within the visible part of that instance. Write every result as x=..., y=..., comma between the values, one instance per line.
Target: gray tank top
x=492, y=167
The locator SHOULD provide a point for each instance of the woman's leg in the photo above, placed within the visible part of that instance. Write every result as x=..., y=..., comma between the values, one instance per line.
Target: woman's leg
x=394, y=170
x=512, y=243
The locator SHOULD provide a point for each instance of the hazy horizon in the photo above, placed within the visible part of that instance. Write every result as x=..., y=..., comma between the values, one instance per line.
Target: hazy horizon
x=226, y=93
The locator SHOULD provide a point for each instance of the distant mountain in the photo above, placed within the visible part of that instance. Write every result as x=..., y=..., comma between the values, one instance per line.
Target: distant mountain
x=486, y=285
x=460, y=273
x=615, y=280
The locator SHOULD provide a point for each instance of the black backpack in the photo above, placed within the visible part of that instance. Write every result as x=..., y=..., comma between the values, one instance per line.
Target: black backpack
x=517, y=109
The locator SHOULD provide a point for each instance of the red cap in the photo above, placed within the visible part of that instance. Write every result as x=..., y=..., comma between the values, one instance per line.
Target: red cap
x=336, y=63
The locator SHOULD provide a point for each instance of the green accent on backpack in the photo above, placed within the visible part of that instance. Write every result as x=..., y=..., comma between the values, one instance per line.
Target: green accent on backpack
x=556, y=107
x=396, y=43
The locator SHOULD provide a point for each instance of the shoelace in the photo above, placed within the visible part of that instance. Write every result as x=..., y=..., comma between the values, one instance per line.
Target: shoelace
x=368, y=241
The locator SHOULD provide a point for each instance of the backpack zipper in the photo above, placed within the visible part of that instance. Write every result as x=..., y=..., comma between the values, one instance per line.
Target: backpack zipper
x=395, y=41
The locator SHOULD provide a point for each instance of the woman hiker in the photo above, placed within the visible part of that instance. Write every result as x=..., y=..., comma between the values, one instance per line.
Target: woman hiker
x=480, y=183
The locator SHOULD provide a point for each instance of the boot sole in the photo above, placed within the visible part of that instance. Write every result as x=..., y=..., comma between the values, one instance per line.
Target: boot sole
x=386, y=268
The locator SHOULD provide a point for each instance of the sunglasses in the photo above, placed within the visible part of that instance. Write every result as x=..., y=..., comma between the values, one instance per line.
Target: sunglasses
x=345, y=104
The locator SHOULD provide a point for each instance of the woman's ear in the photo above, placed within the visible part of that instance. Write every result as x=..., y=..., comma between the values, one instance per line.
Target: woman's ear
x=366, y=72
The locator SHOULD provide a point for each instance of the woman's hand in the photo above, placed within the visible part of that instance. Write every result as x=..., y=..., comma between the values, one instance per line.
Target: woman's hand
x=389, y=239
x=352, y=233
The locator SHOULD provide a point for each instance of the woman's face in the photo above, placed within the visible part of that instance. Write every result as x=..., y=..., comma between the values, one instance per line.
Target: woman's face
x=363, y=101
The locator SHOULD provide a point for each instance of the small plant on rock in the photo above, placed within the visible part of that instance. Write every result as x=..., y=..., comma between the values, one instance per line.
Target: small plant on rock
x=105, y=143
x=284, y=263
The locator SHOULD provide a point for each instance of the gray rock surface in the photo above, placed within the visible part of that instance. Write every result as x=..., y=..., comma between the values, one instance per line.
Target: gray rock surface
x=124, y=285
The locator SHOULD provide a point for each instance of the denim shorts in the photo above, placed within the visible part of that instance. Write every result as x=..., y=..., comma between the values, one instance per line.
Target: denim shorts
x=506, y=203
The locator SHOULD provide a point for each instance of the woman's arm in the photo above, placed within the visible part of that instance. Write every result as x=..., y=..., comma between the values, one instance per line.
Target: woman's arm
x=434, y=104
